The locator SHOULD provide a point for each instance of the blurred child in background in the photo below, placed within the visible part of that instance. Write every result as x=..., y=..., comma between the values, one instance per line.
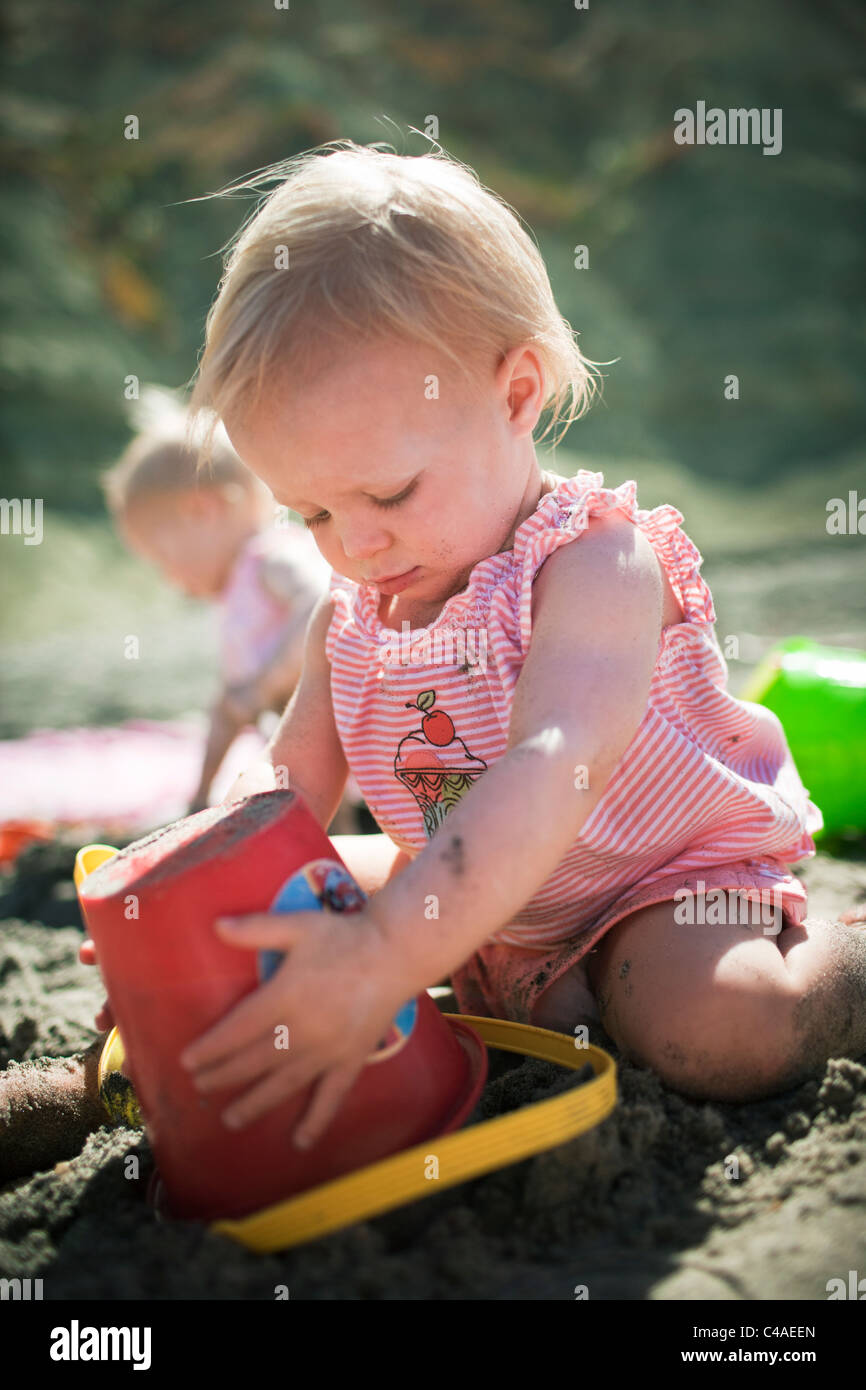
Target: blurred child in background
x=212, y=533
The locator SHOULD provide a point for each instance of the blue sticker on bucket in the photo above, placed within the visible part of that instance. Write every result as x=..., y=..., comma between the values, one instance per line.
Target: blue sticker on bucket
x=321, y=883
x=324, y=883
x=398, y=1034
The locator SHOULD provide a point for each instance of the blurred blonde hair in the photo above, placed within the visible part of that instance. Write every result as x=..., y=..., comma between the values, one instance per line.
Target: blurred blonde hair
x=165, y=455
x=380, y=245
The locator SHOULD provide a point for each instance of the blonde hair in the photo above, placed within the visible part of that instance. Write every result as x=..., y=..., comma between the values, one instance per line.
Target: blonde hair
x=165, y=456
x=379, y=245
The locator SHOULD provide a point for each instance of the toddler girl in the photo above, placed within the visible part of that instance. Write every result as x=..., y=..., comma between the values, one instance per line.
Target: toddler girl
x=212, y=534
x=520, y=669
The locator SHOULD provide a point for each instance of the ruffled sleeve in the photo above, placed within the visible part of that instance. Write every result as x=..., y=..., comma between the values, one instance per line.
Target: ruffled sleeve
x=564, y=514
x=342, y=592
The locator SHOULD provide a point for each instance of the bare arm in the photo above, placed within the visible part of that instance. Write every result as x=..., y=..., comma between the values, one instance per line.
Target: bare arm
x=304, y=752
x=222, y=730
x=580, y=699
x=277, y=682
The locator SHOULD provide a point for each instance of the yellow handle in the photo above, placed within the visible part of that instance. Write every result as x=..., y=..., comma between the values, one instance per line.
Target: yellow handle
x=481, y=1148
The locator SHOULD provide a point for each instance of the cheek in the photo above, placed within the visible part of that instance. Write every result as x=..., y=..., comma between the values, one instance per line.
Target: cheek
x=329, y=548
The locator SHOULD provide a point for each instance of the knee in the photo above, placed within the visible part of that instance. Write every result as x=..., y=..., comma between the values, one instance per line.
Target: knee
x=717, y=1046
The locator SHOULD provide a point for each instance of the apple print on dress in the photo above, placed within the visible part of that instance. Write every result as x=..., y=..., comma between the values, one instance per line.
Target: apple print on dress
x=434, y=763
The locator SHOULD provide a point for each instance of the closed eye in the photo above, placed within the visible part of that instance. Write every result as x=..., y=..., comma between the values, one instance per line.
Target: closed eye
x=383, y=502
x=394, y=501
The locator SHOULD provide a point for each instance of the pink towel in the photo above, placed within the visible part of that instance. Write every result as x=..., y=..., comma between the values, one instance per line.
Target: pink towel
x=133, y=777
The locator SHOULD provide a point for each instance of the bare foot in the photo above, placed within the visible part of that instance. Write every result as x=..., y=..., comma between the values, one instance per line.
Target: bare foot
x=854, y=917
x=47, y=1109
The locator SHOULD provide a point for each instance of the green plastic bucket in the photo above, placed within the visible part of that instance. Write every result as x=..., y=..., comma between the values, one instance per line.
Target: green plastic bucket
x=819, y=694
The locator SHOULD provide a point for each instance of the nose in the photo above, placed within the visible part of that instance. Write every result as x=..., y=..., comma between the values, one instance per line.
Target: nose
x=362, y=540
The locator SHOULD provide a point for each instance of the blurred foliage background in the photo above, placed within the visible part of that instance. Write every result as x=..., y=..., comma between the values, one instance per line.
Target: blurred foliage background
x=703, y=261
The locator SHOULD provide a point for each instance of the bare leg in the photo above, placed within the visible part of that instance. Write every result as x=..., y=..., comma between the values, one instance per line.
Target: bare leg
x=725, y=1012
x=370, y=859
x=47, y=1109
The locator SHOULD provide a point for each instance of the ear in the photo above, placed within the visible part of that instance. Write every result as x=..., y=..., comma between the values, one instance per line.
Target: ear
x=520, y=382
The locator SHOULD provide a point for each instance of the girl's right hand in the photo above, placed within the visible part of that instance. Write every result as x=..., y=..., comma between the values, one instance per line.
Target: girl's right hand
x=87, y=955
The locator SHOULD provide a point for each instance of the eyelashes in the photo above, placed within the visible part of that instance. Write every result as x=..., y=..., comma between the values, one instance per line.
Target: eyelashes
x=395, y=501
x=386, y=502
x=383, y=502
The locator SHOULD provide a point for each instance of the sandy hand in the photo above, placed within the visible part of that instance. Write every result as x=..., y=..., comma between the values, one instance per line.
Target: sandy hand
x=340, y=987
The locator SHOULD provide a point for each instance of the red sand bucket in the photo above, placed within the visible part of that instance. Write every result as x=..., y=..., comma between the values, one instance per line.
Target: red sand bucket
x=150, y=910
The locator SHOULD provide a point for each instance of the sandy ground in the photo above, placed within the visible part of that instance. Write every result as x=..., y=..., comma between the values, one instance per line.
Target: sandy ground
x=642, y=1207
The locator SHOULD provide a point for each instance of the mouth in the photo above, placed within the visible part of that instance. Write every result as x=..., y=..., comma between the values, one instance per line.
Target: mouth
x=397, y=582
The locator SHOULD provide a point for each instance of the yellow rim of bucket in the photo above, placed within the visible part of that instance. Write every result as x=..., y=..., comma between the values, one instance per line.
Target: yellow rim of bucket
x=469, y=1153
x=90, y=858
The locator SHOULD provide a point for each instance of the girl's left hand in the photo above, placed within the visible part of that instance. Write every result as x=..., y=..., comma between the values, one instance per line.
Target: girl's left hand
x=333, y=998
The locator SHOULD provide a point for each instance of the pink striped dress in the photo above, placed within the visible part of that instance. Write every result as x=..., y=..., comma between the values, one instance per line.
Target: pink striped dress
x=706, y=795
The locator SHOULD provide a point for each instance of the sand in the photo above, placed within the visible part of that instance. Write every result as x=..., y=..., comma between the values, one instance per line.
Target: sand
x=667, y=1199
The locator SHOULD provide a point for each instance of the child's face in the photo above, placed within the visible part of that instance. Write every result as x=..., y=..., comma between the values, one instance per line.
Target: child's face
x=362, y=432
x=186, y=536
